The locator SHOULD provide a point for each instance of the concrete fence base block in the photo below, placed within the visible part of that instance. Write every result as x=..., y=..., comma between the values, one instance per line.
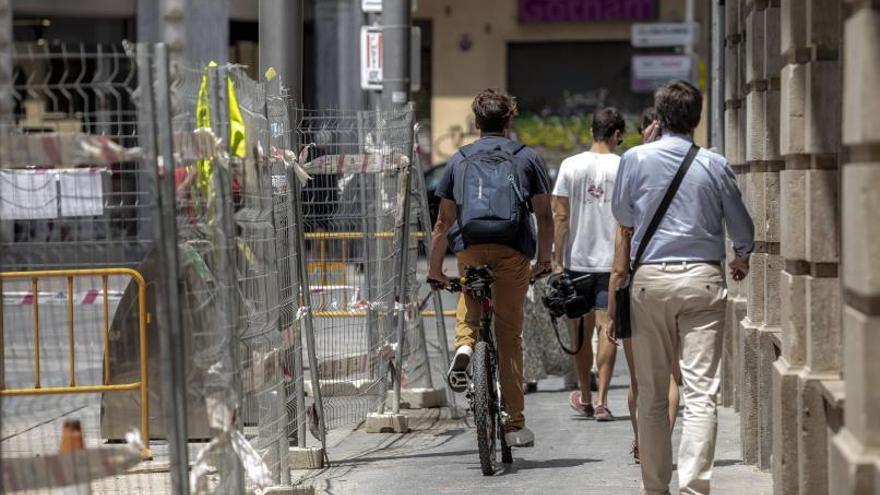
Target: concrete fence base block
x=420, y=398
x=290, y=490
x=386, y=423
x=306, y=457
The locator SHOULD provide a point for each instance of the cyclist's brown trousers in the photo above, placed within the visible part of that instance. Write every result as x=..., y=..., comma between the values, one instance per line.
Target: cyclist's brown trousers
x=511, y=271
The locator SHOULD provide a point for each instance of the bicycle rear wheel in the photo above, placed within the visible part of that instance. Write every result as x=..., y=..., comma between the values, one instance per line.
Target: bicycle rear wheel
x=484, y=407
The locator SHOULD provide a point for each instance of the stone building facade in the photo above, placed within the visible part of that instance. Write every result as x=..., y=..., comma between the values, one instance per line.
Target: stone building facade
x=802, y=130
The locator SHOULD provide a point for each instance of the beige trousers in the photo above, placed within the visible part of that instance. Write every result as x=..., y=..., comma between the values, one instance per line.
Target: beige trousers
x=511, y=271
x=684, y=303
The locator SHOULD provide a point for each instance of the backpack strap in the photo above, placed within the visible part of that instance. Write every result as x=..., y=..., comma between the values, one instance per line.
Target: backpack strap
x=513, y=147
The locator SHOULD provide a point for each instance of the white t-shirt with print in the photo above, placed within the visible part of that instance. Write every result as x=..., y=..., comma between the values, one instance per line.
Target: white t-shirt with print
x=587, y=180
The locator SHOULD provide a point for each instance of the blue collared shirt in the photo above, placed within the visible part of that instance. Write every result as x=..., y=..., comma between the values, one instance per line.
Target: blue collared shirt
x=708, y=199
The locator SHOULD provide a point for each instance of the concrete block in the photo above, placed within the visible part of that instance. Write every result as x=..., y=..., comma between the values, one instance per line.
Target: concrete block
x=749, y=416
x=732, y=89
x=728, y=363
x=823, y=26
x=772, y=44
x=772, y=103
x=756, y=125
x=772, y=299
x=755, y=283
x=852, y=469
x=772, y=213
x=420, y=398
x=386, y=423
x=306, y=457
x=823, y=218
x=823, y=325
x=767, y=353
x=861, y=235
x=754, y=45
x=289, y=490
x=793, y=295
x=823, y=107
x=756, y=200
x=785, y=432
x=861, y=107
x=792, y=108
x=793, y=33
x=812, y=436
x=793, y=213
x=732, y=136
x=862, y=369
x=736, y=312
x=731, y=18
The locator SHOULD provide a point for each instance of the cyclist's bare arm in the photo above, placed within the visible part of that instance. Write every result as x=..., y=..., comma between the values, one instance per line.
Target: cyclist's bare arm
x=544, y=215
x=561, y=230
x=445, y=218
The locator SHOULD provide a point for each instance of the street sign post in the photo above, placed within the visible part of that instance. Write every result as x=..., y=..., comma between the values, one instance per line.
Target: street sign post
x=656, y=34
x=649, y=72
x=371, y=58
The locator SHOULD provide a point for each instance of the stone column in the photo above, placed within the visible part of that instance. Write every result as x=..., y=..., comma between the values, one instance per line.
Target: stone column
x=819, y=267
x=732, y=137
x=760, y=328
x=787, y=369
x=855, y=450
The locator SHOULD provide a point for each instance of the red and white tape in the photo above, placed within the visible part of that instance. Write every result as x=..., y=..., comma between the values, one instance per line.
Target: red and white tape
x=93, y=296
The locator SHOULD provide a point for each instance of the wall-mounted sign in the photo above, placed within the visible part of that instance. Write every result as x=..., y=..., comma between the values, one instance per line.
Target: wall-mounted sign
x=663, y=34
x=371, y=58
x=537, y=11
x=371, y=6
x=649, y=72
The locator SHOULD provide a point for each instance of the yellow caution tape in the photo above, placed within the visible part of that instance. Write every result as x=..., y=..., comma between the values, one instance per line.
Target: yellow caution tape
x=237, y=139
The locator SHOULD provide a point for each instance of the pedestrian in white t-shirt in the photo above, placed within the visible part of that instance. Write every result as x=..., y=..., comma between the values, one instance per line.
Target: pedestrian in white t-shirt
x=584, y=248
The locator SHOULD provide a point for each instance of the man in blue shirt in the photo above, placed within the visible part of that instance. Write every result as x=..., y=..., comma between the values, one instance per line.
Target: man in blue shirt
x=510, y=261
x=678, y=292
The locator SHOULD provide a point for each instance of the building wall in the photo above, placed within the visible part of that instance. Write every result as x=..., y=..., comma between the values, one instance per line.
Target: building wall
x=491, y=24
x=801, y=129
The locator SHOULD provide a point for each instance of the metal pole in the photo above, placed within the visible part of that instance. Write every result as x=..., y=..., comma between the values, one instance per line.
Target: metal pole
x=689, y=20
x=171, y=339
x=232, y=475
x=281, y=42
x=716, y=106
x=395, y=52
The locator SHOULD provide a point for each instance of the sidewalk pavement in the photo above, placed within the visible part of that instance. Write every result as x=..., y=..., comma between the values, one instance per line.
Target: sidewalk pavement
x=572, y=455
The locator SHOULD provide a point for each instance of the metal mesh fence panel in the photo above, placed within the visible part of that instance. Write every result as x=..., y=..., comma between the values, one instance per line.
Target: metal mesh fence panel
x=351, y=208
x=77, y=194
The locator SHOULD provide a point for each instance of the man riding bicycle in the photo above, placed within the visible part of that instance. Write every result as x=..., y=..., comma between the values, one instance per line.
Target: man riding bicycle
x=488, y=192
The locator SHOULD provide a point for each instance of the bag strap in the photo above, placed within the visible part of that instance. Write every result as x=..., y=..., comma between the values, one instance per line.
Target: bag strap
x=664, y=204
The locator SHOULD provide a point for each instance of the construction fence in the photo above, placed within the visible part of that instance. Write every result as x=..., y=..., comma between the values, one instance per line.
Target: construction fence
x=197, y=274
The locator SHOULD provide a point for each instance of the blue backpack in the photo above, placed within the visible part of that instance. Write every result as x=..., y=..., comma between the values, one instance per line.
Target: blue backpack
x=491, y=206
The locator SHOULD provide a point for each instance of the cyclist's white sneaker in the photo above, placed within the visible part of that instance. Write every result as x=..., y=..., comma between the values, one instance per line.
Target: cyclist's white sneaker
x=522, y=437
x=457, y=375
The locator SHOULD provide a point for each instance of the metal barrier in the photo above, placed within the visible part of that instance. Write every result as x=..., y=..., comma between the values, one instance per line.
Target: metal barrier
x=141, y=385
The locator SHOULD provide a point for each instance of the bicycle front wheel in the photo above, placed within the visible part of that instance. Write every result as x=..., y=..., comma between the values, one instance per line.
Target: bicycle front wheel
x=484, y=407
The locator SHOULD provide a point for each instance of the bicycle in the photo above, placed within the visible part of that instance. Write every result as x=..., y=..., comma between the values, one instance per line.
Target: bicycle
x=483, y=390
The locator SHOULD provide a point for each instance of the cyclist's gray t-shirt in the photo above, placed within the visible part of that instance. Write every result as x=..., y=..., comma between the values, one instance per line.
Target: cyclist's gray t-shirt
x=533, y=181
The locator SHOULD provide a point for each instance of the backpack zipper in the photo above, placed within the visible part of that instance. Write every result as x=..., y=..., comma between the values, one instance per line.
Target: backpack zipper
x=513, y=183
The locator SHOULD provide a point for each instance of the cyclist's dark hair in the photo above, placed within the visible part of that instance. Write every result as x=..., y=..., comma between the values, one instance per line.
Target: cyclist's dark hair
x=679, y=105
x=494, y=110
x=649, y=115
x=605, y=122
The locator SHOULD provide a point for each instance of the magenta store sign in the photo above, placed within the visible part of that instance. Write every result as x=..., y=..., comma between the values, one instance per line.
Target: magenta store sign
x=537, y=11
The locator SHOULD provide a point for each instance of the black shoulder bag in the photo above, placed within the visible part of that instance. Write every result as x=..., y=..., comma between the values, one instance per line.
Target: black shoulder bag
x=622, y=313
